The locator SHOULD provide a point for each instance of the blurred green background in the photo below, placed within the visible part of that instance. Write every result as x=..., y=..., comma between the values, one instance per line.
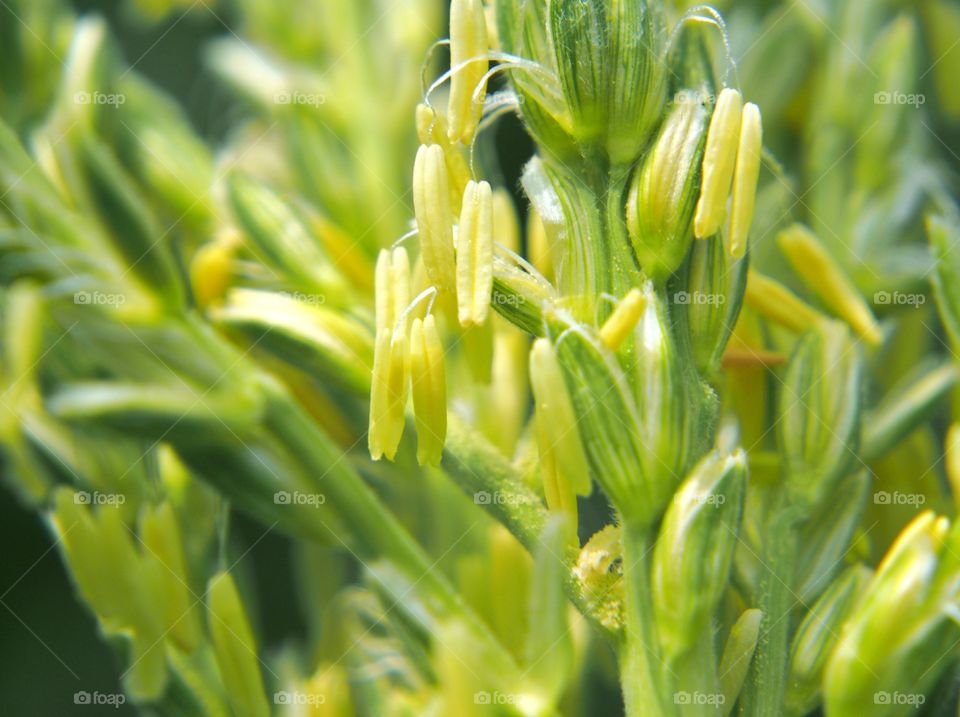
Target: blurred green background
x=49, y=645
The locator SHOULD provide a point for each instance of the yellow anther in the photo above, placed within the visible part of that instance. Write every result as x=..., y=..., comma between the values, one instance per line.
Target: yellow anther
x=431, y=201
x=392, y=286
x=623, y=319
x=719, y=160
x=820, y=271
x=475, y=254
x=745, y=179
x=562, y=460
x=388, y=399
x=468, y=44
x=777, y=303
x=428, y=378
x=210, y=270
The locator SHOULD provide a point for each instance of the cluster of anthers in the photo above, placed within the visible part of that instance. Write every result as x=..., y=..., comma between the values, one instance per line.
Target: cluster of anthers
x=456, y=258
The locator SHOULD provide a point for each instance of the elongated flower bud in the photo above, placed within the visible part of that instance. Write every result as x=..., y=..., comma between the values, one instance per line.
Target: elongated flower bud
x=429, y=388
x=235, y=648
x=475, y=254
x=821, y=272
x=562, y=459
x=694, y=551
x=907, y=406
x=719, y=161
x=578, y=31
x=431, y=201
x=745, y=178
x=711, y=302
x=629, y=447
x=819, y=427
x=826, y=539
x=915, y=591
x=775, y=302
x=664, y=192
x=816, y=636
x=638, y=76
x=468, y=44
x=392, y=286
x=388, y=398
x=624, y=319
x=670, y=403
x=737, y=654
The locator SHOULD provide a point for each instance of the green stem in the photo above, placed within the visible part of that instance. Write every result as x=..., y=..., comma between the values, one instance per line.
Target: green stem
x=598, y=258
x=377, y=532
x=642, y=674
x=766, y=683
x=479, y=469
x=485, y=475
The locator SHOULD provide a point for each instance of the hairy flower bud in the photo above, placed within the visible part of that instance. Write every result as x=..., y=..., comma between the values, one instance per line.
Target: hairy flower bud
x=816, y=636
x=669, y=406
x=738, y=652
x=638, y=442
x=608, y=58
x=819, y=427
x=579, y=33
x=638, y=82
x=895, y=641
x=664, y=192
x=611, y=428
x=710, y=303
x=694, y=551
